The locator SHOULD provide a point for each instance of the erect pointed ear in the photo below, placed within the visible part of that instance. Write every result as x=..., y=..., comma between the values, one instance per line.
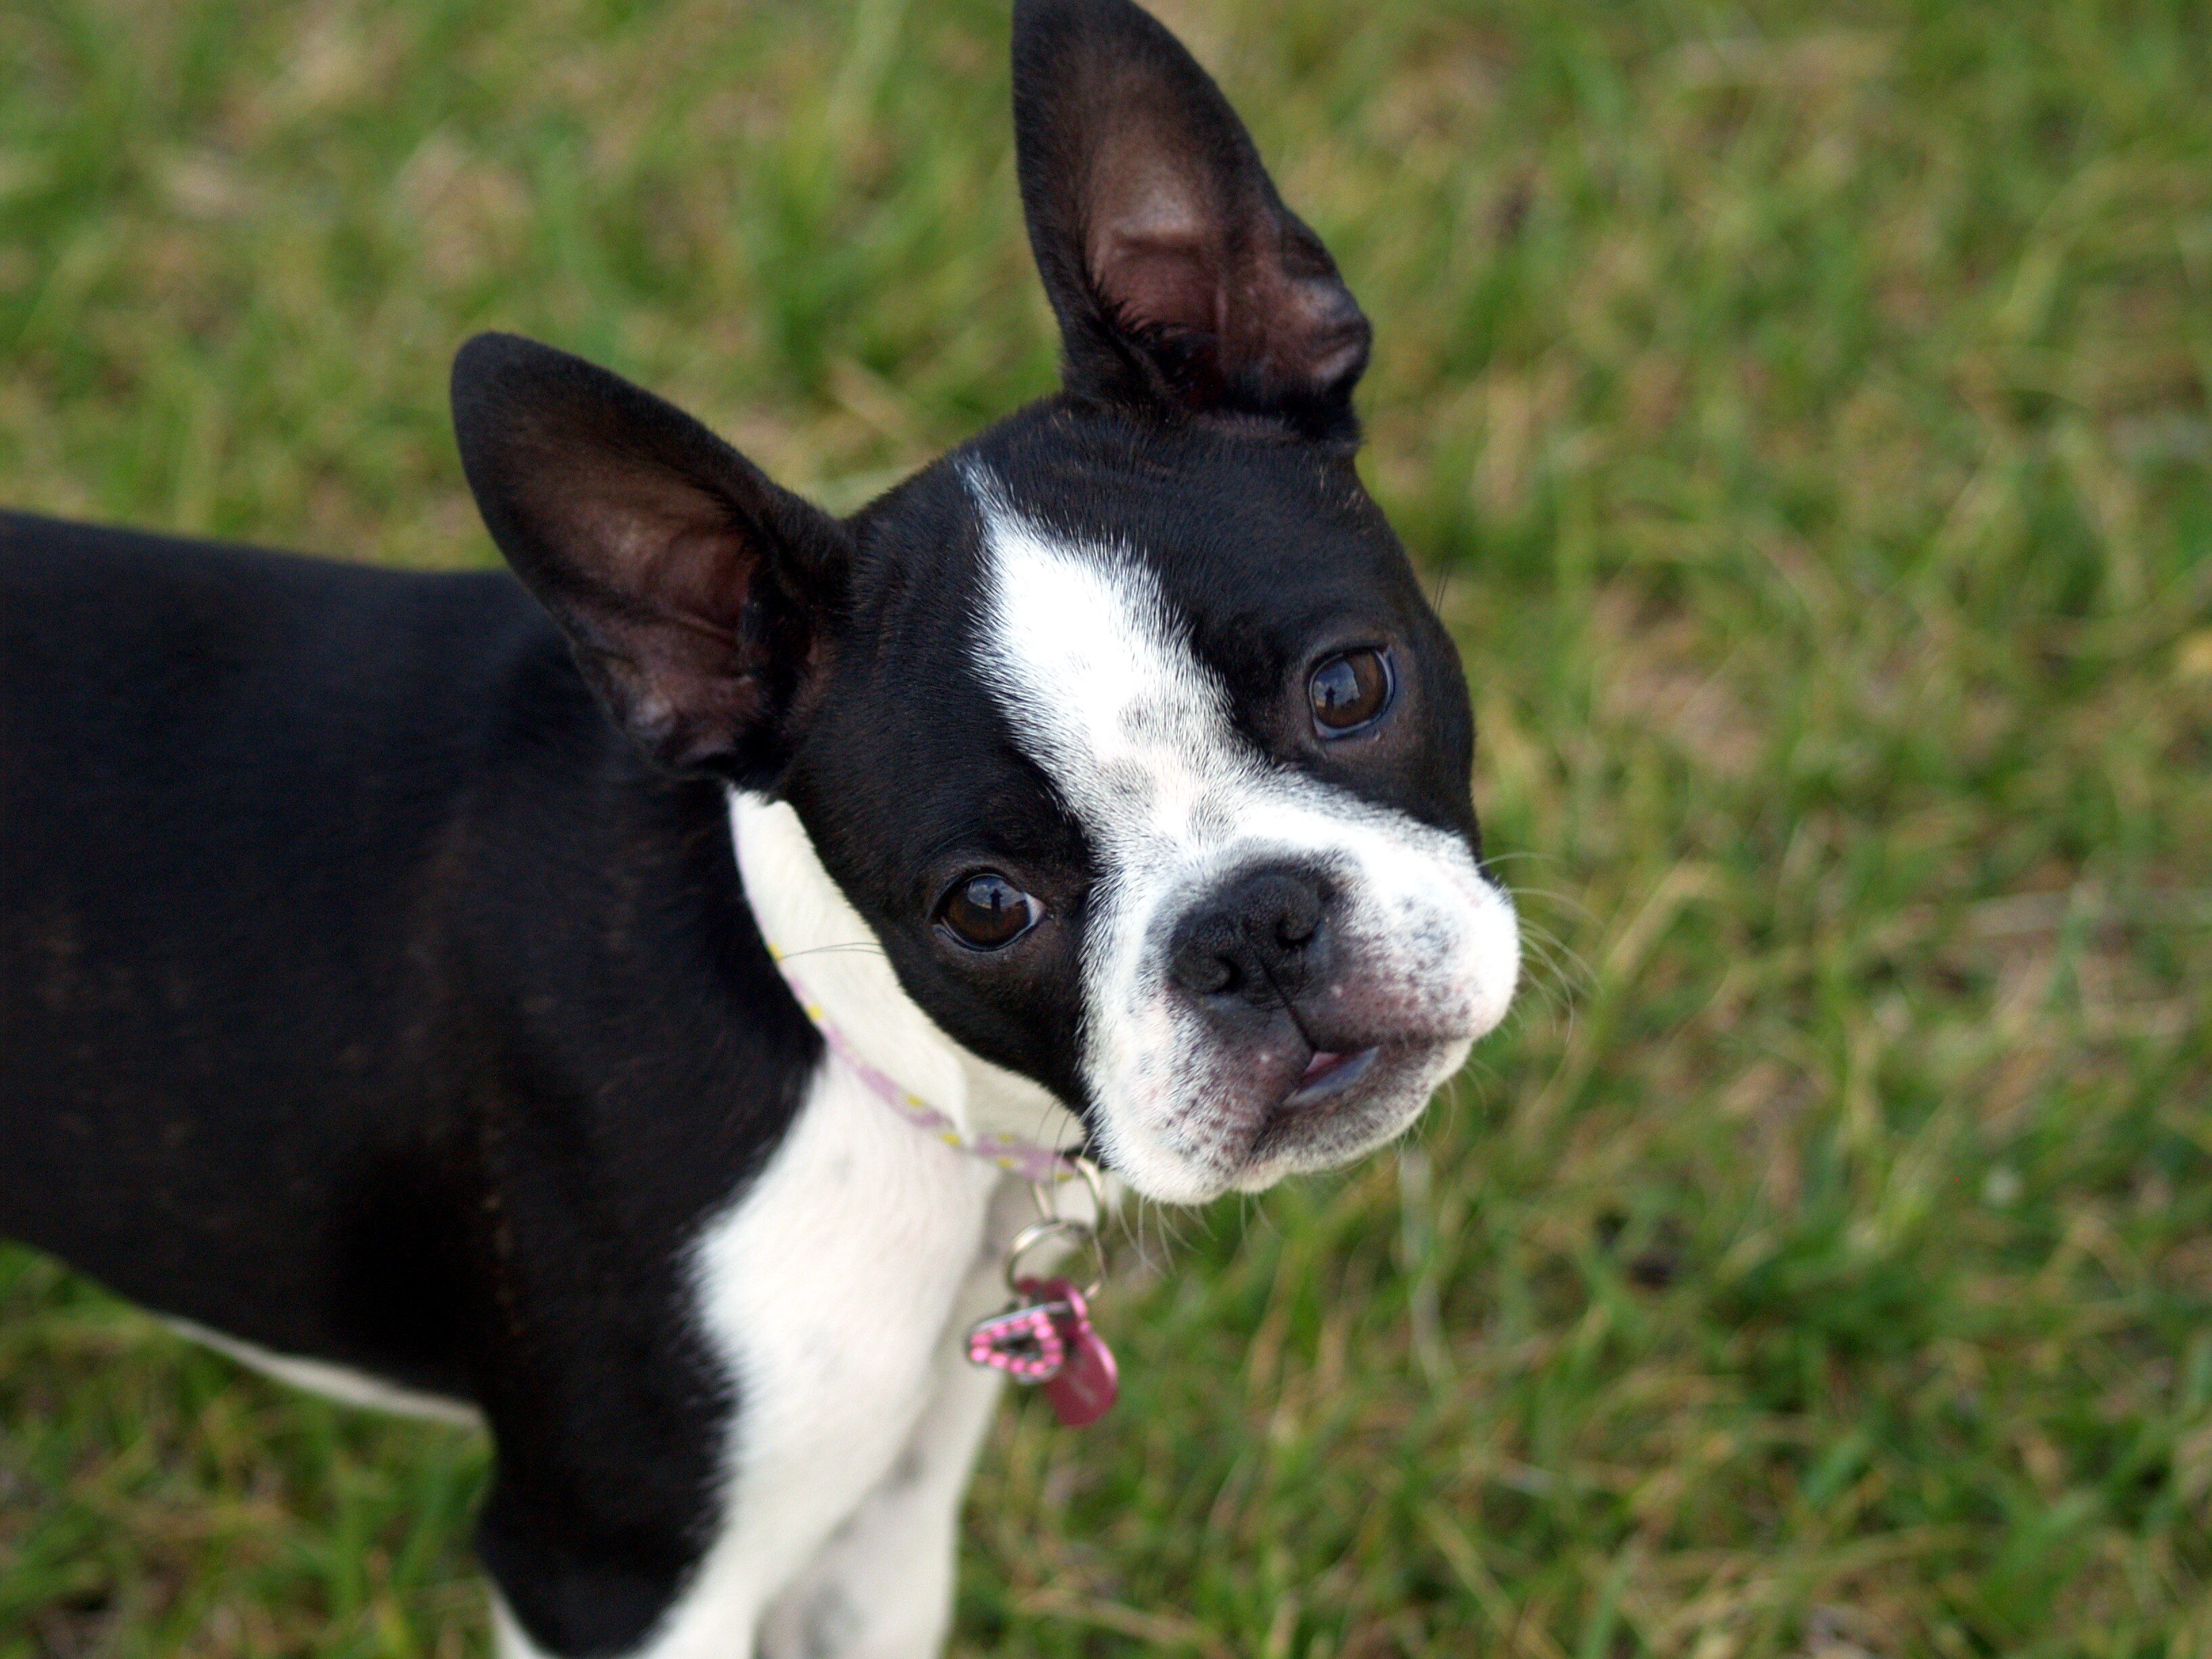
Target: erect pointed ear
x=694, y=591
x=1180, y=279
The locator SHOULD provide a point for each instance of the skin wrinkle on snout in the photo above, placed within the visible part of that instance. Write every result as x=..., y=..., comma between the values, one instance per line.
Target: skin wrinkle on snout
x=1103, y=692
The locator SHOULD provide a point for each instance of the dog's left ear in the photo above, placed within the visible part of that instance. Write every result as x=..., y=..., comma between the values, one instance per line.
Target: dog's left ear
x=1182, y=282
x=694, y=591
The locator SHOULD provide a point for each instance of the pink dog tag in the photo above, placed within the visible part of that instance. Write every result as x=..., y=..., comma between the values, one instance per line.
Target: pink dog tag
x=1048, y=1340
x=1024, y=1342
x=1087, y=1383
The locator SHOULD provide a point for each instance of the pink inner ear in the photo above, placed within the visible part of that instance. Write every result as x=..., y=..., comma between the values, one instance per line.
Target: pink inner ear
x=1167, y=279
x=1179, y=276
x=1165, y=253
x=1154, y=241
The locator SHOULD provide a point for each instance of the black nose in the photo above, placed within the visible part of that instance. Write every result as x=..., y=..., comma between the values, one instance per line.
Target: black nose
x=1260, y=936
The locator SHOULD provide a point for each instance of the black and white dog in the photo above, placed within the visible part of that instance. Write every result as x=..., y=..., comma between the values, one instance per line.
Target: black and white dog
x=389, y=979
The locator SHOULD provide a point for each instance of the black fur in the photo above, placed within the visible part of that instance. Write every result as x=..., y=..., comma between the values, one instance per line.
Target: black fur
x=364, y=995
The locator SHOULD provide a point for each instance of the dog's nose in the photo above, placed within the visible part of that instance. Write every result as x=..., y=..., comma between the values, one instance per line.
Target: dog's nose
x=1258, y=936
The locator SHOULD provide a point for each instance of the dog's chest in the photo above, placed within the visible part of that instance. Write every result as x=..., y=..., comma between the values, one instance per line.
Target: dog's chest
x=832, y=1278
x=828, y=1291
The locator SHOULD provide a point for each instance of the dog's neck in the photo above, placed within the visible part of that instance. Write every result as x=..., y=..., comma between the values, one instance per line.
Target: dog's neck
x=836, y=956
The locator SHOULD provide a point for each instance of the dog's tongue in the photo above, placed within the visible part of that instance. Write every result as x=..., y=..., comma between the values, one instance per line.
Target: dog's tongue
x=1323, y=1062
x=1328, y=1074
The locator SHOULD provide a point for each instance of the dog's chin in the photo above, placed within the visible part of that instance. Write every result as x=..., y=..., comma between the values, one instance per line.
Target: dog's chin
x=1337, y=1110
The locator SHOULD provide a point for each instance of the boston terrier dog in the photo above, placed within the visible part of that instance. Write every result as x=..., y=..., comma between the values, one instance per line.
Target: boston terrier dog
x=630, y=1007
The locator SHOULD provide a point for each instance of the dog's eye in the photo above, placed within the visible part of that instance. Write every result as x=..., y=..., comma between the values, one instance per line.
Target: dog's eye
x=986, y=912
x=1350, y=692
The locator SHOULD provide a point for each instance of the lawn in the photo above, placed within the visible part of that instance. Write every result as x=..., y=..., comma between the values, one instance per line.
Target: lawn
x=1803, y=412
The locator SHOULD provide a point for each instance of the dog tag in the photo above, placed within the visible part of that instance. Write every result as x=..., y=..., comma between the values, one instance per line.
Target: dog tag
x=1085, y=1387
x=1047, y=1339
x=1024, y=1341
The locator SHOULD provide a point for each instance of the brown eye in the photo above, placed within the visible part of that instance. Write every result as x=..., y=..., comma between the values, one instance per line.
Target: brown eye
x=1350, y=690
x=986, y=912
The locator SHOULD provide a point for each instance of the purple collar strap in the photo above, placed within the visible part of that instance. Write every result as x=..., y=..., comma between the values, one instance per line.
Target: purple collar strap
x=1040, y=1166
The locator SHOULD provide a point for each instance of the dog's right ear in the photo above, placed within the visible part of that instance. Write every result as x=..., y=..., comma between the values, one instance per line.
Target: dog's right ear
x=694, y=591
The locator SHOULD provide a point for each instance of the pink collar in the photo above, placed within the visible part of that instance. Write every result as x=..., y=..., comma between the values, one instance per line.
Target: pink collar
x=1041, y=1165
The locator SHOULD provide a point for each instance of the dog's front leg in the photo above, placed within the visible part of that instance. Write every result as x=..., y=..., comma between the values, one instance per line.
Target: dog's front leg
x=825, y=1292
x=881, y=1588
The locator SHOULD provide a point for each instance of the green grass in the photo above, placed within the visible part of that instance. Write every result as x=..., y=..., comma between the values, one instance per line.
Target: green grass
x=1802, y=409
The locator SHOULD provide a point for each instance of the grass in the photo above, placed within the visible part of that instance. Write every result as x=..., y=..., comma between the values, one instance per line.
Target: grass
x=1803, y=412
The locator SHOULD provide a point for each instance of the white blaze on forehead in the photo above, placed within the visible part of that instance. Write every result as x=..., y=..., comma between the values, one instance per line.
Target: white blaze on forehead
x=1104, y=692
x=1100, y=688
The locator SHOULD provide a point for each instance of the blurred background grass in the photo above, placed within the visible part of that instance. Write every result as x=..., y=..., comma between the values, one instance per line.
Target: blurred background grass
x=1802, y=410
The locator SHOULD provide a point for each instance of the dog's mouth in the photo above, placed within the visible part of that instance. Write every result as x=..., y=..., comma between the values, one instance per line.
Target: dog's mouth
x=1255, y=1112
x=1349, y=1096
x=1328, y=1074
x=1207, y=1099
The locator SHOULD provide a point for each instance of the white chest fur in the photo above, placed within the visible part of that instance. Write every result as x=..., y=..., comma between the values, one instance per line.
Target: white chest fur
x=829, y=1290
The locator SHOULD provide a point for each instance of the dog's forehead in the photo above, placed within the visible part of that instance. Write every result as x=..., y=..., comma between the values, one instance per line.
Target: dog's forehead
x=1094, y=672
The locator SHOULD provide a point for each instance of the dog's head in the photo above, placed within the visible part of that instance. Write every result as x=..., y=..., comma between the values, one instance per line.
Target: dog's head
x=1125, y=726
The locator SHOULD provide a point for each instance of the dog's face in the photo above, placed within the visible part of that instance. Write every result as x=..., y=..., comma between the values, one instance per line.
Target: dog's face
x=1147, y=761
x=1127, y=726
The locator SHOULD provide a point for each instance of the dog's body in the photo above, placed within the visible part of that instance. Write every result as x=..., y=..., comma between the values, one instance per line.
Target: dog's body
x=375, y=1004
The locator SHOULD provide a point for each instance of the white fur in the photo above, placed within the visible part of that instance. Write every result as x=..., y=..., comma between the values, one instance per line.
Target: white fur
x=828, y=1291
x=882, y=1587
x=835, y=1291
x=349, y=1388
x=835, y=954
x=1102, y=690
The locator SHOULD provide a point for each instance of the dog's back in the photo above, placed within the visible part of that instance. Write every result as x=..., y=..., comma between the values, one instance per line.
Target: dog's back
x=204, y=744
x=279, y=861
